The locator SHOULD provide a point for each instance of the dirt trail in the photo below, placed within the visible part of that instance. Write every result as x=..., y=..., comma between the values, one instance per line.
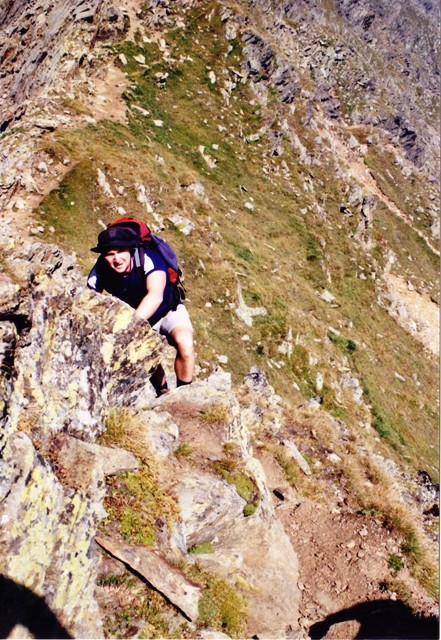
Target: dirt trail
x=344, y=566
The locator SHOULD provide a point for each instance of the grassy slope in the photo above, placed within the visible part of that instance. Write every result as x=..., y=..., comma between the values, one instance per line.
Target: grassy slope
x=284, y=258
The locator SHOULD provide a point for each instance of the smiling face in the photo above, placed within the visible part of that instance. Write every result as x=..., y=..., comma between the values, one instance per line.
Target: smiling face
x=120, y=260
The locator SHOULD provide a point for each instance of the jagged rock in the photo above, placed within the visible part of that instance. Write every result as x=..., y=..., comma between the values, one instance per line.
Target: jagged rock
x=45, y=538
x=368, y=207
x=211, y=162
x=259, y=57
x=13, y=300
x=287, y=84
x=427, y=494
x=8, y=341
x=158, y=572
x=162, y=433
x=82, y=352
x=208, y=505
x=78, y=378
x=297, y=456
x=262, y=410
x=194, y=187
x=73, y=352
x=327, y=296
x=113, y=23
x=31, y=64
x=185, y=225
x=104, y=185
x=74, y=456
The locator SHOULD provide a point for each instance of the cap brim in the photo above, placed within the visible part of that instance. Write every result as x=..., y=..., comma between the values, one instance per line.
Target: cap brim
x=116, y=245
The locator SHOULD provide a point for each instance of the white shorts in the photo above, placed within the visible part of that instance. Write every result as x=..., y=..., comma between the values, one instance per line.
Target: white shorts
x=173, y=319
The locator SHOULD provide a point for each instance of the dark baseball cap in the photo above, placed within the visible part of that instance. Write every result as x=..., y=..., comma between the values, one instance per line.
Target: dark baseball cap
x=116, y=238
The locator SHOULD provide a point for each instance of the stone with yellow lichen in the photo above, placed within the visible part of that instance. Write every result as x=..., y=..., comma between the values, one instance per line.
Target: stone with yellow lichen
x=84, y=352
x=78, y=352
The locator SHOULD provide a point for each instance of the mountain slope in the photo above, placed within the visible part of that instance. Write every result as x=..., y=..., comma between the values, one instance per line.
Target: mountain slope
x=289, y=152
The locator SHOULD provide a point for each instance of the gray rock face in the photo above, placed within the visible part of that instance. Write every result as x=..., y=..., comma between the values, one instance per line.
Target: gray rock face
x=325, y=42
x=41, y=522
x=208, y=506
x=8, y=341
x=43, y=42
x=252, y=550
x=80, y=354
x=67, y=353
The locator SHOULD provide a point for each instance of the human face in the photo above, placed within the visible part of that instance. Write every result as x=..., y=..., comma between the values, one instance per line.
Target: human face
x=120, y=260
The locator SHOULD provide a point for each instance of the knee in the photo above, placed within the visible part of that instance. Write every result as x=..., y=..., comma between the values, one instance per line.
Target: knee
x=184, y=343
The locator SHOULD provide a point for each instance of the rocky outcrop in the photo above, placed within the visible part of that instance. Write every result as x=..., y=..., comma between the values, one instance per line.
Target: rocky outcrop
x=67, y=354
x=78, y=352
x=251, y=550
x=31, y=61
x=338, y=50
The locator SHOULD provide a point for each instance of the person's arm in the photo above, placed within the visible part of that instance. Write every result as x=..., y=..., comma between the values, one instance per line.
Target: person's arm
x=93, y=279
x=156, y=282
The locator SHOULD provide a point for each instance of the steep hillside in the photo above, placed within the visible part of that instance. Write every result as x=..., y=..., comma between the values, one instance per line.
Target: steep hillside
x=290, y=154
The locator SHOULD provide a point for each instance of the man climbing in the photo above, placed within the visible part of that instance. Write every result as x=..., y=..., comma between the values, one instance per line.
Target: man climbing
x=147, y=289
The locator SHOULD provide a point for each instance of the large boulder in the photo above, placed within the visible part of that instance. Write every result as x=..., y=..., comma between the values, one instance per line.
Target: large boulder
x=67, y=355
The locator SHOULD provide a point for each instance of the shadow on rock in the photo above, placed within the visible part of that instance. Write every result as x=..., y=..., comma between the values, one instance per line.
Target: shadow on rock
x=20, y=606
x=381, y=619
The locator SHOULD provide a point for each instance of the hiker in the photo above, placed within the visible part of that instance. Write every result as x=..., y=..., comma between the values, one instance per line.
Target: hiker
x=147, y=289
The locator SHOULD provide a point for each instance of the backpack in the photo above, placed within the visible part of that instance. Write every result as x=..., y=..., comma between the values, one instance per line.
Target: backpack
x=154, y=243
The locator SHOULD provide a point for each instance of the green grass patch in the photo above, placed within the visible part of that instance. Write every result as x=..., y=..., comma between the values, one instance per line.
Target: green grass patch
x=215, y=414
x=69, y=209
x=233, y=472
x=203, y=547
x=289, y=466
x=184, y=450
x=135, y=500
x=221, y=606
x=395, y=563
x=346, y=345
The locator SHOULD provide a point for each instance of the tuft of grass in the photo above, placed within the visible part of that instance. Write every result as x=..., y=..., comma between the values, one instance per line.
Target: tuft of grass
x=346, y=345
x=139, y=609
x=203, y=547
x=234, y=473
x=221, y=606
x=215, y=414
x=184, y=450
x=289, y=466
x=111, y=579
x=135, y=500
x=395, y=563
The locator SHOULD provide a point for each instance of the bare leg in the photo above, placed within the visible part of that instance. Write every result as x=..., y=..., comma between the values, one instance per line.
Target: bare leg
x=182, y=340
x=159, y=380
